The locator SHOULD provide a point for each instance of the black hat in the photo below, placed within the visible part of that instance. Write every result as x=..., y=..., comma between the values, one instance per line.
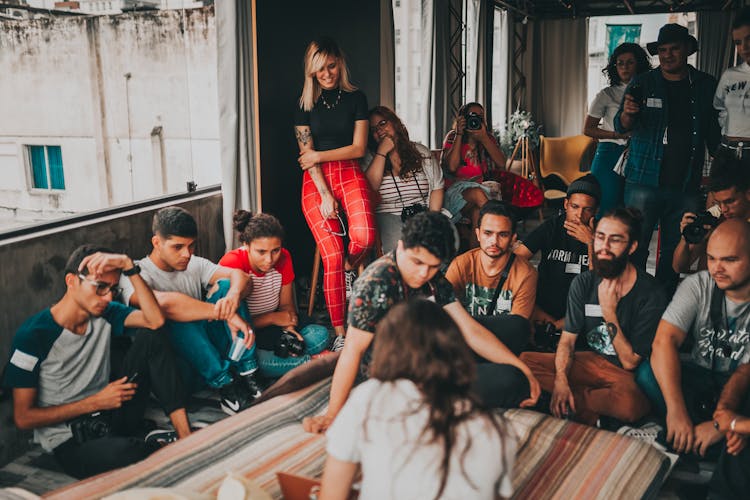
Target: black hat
x=670, y=33
x=588, y=184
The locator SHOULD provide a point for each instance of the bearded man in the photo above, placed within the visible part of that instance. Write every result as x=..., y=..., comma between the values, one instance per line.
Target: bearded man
x=617, y=307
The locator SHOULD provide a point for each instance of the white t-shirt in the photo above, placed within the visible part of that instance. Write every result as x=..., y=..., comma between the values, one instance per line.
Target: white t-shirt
x=605, y=106
x=733, y=102
x=379, y=428
x=416, y=189
x=191, y=282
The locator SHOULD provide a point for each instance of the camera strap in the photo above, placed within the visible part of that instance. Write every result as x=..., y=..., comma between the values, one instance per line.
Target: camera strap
x=718, y=316
x=503, y=277
x=421, y=195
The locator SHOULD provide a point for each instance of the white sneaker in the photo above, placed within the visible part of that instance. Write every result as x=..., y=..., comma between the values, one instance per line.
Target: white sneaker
x=647, y=433
x=349, y=278
x=338, y=343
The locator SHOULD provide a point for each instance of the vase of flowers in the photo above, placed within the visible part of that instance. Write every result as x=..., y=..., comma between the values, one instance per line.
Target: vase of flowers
x=520, y=124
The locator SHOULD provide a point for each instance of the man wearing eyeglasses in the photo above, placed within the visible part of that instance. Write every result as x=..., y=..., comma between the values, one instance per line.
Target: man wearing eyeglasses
x=84, y=399
x=729, y=184
x=616, y=307
x=713, y=308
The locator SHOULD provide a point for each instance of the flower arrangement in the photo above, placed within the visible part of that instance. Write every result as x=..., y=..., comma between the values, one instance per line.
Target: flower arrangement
x=519, y=123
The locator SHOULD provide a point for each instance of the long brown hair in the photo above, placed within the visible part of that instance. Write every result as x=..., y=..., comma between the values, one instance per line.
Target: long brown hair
x=418, y=341
x=411, y=158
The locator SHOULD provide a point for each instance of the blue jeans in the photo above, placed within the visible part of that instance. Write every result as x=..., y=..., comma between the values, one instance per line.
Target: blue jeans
x=206, y=344
x=273, y=366
x=612, y=184
x=665, y=206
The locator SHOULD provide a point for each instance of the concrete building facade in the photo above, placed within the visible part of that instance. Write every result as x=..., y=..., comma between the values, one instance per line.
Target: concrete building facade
x=125, y=106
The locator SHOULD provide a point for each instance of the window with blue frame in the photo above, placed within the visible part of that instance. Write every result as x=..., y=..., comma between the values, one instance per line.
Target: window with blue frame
x=46, y=167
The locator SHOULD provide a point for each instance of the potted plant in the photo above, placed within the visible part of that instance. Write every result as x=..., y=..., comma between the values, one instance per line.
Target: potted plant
x=520, y=124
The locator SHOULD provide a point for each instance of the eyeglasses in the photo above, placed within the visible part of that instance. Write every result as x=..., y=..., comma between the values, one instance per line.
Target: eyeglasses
x=326, y=228
x=379, y=126
x=614, y=241
x=102, y=288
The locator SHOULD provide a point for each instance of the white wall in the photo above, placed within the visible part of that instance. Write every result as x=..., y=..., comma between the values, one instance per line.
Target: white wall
x=66, y=79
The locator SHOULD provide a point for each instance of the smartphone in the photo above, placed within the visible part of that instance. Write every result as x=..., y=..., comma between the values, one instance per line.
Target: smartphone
x=636, y=92
x=132, y=378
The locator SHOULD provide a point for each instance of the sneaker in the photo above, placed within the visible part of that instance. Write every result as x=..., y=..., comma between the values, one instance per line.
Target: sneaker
x=233, y=398
x=160, y=437
x=338, y=343
x=349, y=278
x=650, y=433
x=250, y=382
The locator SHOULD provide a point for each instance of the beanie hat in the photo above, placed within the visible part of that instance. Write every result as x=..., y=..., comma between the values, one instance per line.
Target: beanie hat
x=588, y=184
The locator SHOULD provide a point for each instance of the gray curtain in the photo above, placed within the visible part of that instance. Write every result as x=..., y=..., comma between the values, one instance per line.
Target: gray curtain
x=237, y=101
x=441, y=114
x=558, y=95
x=715, y=50
x=387, y=56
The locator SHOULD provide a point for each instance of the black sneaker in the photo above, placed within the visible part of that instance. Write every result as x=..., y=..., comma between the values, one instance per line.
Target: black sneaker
x=338, y=343
x=234, y=398
x=160, y=437
x=250, y=382
x=349, y=278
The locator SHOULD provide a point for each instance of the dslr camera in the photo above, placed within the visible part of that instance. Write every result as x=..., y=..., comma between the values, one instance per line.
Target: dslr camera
x=473, y=121
x=289, y=345
x=91, y=426
x=695, y=232
x=410, y=211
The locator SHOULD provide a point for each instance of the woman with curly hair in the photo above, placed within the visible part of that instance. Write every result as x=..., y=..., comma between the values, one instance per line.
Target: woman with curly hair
x=406, y=177
x=626, y=61
x=271, y=300
x=415, y=426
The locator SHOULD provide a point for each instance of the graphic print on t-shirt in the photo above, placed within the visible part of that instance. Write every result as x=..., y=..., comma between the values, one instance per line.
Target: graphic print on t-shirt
x=722, y=350
x=599, y=340
x=478, y=300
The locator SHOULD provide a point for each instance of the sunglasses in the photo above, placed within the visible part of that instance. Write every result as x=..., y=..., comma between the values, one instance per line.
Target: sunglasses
x=326, y=228
x=102, y=288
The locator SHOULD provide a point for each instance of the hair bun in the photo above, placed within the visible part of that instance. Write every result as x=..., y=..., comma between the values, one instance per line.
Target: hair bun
x=240, y=219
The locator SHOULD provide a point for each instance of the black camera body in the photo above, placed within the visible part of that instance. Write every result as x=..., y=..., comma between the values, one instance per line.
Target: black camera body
x=546, y=337
x=695, y=232
x=88, y=427
x=289, y=345
x=410, y=211
x=473, y=121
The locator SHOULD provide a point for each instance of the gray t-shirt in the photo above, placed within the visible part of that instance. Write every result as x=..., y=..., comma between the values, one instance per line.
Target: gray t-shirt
x=690, y=310
x=62, y=366
x=191, y=282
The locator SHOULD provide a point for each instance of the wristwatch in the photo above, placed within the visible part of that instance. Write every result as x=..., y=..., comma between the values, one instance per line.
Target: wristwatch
x=136, y=269
x=611, y=329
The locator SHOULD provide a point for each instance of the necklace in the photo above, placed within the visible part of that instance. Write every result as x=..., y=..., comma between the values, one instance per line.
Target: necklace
x=330, y=106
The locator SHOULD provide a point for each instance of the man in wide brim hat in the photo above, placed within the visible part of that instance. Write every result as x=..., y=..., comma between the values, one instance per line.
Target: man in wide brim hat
x=673, y=33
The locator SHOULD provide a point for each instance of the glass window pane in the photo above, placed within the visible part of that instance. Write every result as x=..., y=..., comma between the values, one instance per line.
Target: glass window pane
x=57, y=179
x=38, y=167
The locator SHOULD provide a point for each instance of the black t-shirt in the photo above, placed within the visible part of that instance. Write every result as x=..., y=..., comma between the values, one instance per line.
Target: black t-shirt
x=638, y=314
x=380, y=287
x=333, y=128
x=563, y=258
x=677, y=150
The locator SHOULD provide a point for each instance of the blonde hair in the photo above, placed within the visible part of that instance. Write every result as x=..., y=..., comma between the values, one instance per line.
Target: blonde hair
x=315, y=58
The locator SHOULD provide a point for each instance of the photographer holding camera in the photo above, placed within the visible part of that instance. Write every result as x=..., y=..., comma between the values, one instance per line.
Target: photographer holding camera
x=281, y=346
x=729, y=187
x=470, y=152
x=82, y=396
x=405, y=175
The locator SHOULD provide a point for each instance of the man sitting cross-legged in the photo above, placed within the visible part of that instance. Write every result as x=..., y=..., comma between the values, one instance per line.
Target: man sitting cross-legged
x=413, y=269
x=201, y=332
x=712, y=307
x=617, y=307
x=83, y=406
x=495, y=286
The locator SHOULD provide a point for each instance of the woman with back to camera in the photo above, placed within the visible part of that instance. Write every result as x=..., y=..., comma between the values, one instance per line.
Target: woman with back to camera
x=404, y=174
x=271, y=300
x=414, y=426
x=626, y=61
x=331, y=129
x=470, y=153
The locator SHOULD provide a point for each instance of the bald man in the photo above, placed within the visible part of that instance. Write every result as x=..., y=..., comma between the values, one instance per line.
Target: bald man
x=713, y=307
